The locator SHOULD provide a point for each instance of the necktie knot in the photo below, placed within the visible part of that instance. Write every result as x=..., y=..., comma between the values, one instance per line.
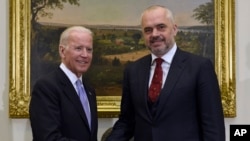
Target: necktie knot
x=79, y=87
x=78, y=82
x=158, y=61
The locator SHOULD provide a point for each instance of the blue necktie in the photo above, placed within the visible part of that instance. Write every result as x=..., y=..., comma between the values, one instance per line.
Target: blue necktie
x=84, y=100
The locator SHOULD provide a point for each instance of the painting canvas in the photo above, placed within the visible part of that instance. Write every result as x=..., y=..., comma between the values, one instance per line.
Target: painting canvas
x=117, y=38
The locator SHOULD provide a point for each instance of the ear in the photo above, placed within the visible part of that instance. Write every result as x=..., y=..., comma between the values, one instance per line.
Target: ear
x=62, y=51
x=175, y=29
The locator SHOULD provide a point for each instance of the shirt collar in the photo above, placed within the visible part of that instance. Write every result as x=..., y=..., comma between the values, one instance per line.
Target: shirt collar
x=72, y=77
x=168, y=57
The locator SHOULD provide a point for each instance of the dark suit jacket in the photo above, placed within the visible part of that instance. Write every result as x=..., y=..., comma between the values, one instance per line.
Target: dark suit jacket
x=56, y=113
x=188, y=109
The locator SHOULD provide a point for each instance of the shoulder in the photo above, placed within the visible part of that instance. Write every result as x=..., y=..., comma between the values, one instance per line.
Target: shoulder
x=53, y=78
x=185, y=56
x=145, y=60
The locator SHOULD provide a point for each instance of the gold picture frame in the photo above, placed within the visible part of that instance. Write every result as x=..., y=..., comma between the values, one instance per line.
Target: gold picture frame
x=109, y=106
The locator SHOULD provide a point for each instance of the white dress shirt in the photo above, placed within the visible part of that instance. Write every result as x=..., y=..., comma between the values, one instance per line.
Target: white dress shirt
x=168, y=57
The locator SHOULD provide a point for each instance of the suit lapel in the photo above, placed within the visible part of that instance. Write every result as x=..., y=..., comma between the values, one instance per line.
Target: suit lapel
x=143, y=78
x=174, y=74
x=92, y=104
x=70, y=92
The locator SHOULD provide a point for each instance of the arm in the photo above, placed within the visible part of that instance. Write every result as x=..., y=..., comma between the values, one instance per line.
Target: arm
x=123, y=129
x=209, y=104
x=45, y=113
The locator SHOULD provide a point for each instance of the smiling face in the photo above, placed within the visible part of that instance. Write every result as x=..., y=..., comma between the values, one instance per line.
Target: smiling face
x=158, y=30
x=76, y=54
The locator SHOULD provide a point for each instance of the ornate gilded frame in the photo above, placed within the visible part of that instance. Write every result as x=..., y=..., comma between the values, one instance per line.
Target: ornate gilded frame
x=108, y=106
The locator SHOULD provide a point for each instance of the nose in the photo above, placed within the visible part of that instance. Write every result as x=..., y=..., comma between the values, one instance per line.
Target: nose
x=84, y=52
x=155, y=32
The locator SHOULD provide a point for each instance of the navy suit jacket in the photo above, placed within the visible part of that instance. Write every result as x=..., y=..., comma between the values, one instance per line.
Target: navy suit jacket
x=56, y=113
x=188, y=109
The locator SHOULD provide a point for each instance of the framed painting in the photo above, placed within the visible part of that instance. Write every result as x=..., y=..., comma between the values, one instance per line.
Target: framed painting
x=35, y=28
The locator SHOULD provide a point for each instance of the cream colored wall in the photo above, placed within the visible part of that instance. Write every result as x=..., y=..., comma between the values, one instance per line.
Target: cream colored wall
x=19, y=129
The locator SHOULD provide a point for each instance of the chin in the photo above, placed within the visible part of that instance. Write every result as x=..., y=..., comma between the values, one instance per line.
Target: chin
x=159, y=51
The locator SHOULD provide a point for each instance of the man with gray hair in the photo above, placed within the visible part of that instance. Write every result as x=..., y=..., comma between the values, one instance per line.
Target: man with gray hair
x=169, y=94
x=63, y=106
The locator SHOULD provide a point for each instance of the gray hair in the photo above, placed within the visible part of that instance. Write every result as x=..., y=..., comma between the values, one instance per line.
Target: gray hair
x=169, y=13
x=66, y=33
